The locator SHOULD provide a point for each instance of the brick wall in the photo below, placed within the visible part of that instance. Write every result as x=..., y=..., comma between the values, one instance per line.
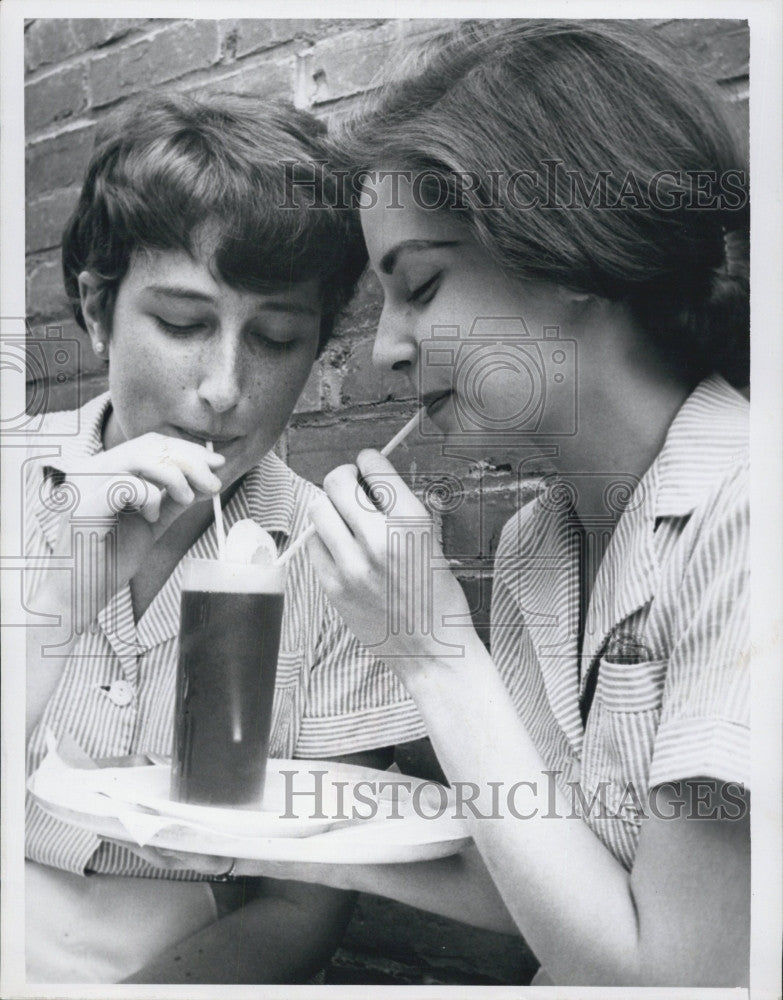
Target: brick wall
x=79, y=70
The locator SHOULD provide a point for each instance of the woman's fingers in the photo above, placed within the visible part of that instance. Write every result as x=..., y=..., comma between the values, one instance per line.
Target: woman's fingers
x=105, y=496
x=387, y=488
x=366, y=496
x=332, y=531
x=360, y=505
x=182, y=468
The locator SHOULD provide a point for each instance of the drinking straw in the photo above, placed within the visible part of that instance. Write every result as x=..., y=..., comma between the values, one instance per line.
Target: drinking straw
x=220, y=529
x=387, y=449
x=403, y=432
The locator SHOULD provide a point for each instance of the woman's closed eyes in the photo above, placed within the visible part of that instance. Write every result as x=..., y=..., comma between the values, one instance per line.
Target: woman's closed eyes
x=279, y=340
x=425, y=292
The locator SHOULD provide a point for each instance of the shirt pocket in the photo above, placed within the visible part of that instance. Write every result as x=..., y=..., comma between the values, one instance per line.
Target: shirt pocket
x=286, y=707
x=623, y=723
x=631, y=687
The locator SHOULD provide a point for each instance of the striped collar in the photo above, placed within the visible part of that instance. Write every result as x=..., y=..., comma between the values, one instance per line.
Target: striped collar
x=266, y=493
x=705, y=439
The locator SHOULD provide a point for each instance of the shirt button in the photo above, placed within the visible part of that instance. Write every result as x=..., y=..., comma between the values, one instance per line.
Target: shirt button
x=120, y=692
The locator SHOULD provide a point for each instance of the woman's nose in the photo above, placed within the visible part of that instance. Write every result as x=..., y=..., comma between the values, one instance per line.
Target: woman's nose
x=395, y=346
x=221, y=383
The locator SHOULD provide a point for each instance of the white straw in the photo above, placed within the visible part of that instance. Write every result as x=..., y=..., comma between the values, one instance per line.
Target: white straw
x=387, y=449
x=220, y=529
x=403, y=432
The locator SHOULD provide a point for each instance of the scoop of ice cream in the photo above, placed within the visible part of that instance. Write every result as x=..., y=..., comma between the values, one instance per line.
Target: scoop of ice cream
x=247, y=542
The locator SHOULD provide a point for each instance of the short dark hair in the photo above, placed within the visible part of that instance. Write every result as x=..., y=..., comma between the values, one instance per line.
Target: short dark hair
x=508, y=97
x=166, y=166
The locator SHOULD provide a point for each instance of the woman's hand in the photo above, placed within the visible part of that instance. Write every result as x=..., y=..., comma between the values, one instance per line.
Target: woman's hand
x=379, y=560
x=121, y=501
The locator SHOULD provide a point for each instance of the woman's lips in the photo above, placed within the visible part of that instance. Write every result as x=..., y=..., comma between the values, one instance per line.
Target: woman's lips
x=201, y=437
x=435, y=400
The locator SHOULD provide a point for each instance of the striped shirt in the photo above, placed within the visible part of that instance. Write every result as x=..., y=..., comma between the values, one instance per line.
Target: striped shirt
x=331, y=697
x=666, y=638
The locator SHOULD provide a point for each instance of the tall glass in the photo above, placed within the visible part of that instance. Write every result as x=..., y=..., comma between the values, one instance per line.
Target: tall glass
x=228, y=645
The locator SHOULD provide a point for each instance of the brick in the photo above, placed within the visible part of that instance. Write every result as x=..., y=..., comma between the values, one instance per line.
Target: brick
x=266, y=79
x=362, y=382
x=719, y=47
x=59, y=161
x=344, y=65
x=172, y=53
x=95, y=32
x=45, y=294
x=54, y=98
x=51, y=40
x=313, y=448
x=471, y=530
x=46, y=216
x=48, y=40
x=258, y=35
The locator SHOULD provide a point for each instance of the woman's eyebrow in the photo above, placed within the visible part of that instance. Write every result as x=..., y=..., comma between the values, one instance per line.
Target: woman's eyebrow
x=180, y=292
x=191, y=294
x=390, y=258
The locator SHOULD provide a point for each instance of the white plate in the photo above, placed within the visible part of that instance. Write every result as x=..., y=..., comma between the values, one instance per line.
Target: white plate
x=148, y=787
x=392, y=831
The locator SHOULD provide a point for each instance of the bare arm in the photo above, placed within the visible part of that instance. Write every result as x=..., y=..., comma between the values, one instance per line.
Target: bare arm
x=682, y=917
x=585, y=917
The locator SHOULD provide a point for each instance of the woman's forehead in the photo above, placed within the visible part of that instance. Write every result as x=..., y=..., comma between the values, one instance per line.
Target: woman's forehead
x=393, y=207
x=178, y=273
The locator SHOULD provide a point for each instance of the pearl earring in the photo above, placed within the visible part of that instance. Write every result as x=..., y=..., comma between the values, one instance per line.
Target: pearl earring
x=100, y=347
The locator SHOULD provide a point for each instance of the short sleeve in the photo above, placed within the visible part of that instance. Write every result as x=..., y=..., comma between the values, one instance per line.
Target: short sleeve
x=704, y=728
x=354, y=701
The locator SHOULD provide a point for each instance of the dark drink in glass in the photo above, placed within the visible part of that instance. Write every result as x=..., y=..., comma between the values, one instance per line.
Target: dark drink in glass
x=228, y=645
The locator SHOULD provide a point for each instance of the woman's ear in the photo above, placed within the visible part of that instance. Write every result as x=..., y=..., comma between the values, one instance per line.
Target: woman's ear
x=90, y=289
